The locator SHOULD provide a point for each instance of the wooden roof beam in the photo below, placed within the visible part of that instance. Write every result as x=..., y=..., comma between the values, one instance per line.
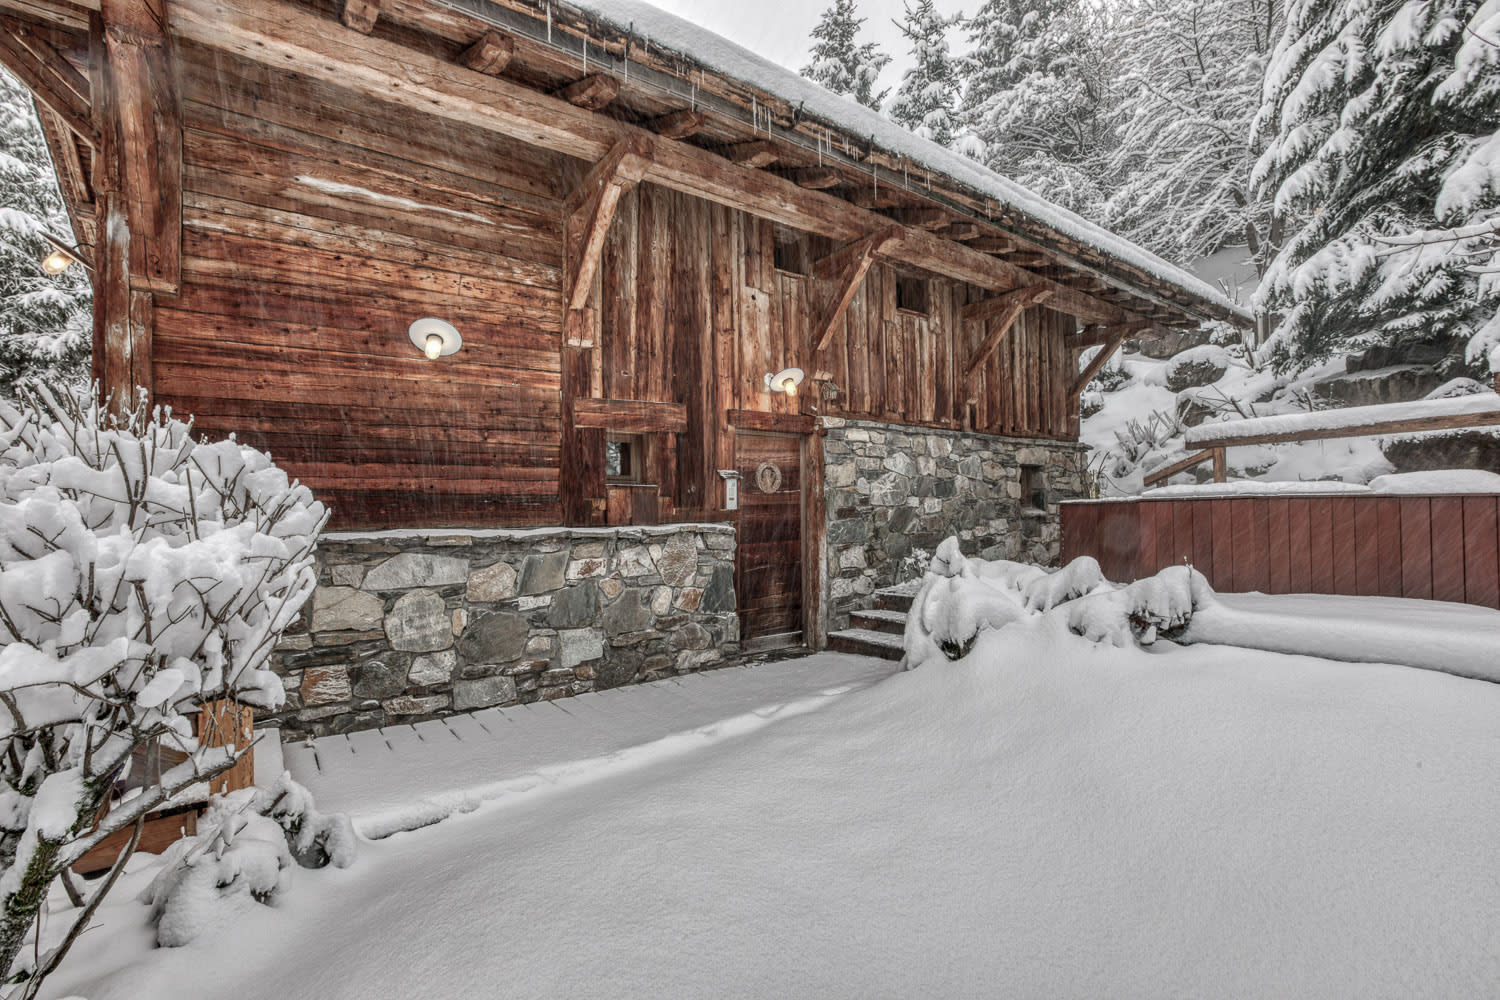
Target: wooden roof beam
x=361, y=15
x=849, y=265
x=962, y=231
x=922, y=218
x=49, y=76
x=677, y=125
x=490, y=54
x=1005, y=309
x=593, y=92
x=814, y=178
x=993, y=244
x=757, y=153
x=269, y=31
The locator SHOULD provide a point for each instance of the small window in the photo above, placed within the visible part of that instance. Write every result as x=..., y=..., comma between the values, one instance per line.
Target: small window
x=1033, y=488
x=792, y=254
x=911, y=295
x=624, y=456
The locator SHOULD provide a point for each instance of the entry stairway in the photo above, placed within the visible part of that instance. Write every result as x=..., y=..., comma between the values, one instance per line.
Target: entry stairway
x=878, y=631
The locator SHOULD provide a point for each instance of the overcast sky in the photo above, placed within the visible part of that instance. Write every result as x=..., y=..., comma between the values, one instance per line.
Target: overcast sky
x=781, y=30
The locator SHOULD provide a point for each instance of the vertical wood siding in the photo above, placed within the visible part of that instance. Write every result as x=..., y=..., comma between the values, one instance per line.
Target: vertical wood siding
x=1445, y=548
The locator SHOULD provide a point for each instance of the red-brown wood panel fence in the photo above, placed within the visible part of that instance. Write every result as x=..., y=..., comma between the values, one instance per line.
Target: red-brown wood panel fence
x=1444, y=548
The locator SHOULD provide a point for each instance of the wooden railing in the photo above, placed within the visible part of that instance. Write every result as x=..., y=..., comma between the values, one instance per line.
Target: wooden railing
x=1444, y=548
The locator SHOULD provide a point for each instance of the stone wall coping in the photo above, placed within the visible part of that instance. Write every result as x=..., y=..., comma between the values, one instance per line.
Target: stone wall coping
x=518, y=534
x=833, y=423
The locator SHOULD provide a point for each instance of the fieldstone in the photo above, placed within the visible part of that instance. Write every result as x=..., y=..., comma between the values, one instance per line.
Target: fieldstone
x=678, y=561
x=853, y=558
x=539, y=645
x=610, y=587
x=418, y=623
x=433, y=668
x=661, y=600
x=719, y=594
x=841, y=475
x=901, y=464
x=689, y=599
x=575, y=606
x=460, y=620
x=579, y=645
x=325, y=685
x=382, y=678
x=294, y=642
x=416, y=569
x=588, y=550
x=888, y=491
x=492, y=583
x=720, y=541
x=484, y=692
x=341, y=609
x=551, y=678
x=541, y=573
x=525, y=667
x=347, y=574
x=631, y=613
x=580, y=569
x=693, y=636
x=494, y=638
x=408, y=705
x=634, y=560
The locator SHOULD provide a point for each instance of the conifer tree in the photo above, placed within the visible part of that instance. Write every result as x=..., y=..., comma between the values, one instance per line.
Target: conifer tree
x=46, y=328
x=927, y=100
x=841, y=65
x=1380, y=122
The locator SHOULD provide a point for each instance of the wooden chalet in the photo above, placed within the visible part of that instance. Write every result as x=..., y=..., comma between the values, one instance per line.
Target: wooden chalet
x=628, y=239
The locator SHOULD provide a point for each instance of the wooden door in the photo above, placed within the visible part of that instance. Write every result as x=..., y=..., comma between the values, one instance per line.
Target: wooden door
x=768, y=568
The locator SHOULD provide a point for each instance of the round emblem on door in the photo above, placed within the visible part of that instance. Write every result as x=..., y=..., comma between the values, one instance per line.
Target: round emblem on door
x=768, y=477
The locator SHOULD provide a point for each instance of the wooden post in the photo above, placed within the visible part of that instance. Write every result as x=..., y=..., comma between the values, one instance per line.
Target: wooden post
x=228, y=724
x=1221, y=466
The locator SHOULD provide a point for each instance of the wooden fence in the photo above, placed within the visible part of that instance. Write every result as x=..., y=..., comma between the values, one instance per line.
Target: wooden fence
x=1444, y=548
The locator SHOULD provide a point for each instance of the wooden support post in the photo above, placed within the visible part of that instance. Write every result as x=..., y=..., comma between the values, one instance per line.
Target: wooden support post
x=229, y=724
x=1221, y=465
x=361, y=14
x=593, y=92
x=849, y=265
x=1008, y=309
x=581, y=468
x=588, y=212
x=677, y=125
x=490, y=54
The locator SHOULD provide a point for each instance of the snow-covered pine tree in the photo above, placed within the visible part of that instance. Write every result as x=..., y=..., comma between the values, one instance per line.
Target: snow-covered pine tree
x=1036, y=84
x=1380, y=119
x=1188, y=88
x=46, y=327
x=841, y=65
x=927, y=100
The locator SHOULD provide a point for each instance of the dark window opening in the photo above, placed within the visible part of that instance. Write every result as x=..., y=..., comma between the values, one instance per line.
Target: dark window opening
x=792, y=253
x=911, y=295
x=624, y=456
x=1033, y=488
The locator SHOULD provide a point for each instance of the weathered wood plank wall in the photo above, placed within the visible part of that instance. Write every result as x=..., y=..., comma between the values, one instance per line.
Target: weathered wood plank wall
x=1441, y=547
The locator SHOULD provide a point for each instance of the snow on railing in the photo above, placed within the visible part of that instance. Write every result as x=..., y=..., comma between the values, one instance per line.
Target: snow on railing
x=1356, y=421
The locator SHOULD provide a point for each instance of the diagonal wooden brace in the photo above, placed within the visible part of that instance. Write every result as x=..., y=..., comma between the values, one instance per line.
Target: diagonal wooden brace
x=590, y=209
x=849, y=265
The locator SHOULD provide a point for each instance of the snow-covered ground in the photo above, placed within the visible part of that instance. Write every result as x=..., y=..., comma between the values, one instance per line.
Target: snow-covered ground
x=1045, y=817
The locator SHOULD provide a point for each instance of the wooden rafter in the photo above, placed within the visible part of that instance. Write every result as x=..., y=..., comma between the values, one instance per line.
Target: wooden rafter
x=52, y=80
x=361, y=15
x=993, y=244
x=922, y=218
x=590, y=209
x=489, y=54
x=268, y=31
x=1112, y=343
x=757, y=153
x=677, y=124
x=962, y=231
x=1004, y=310
x=849, y=265
x=815, y=178
x=1093, y=336
x=72, y=173
x=593, y=92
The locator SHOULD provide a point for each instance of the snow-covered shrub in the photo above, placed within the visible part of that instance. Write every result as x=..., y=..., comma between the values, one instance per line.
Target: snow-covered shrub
x=242, y=854
x=141, y=574
x=1159, y=606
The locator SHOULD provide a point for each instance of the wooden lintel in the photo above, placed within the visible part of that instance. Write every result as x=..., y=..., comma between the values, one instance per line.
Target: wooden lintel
x=1004, y=310
x=591, y=208
x=757, y=153
x=490, y=54
x=361, y=15
x=815, y=178
x=677, y=125
x=854, y=262
x=630, y=416
x=50, y=78
x=1096, y=365
x=1093, y=336
x=278, y=33
x=780, y=423
x=595, y=91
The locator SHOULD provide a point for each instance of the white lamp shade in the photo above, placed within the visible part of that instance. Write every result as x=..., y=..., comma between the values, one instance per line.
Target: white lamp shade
x=786, y=380
x=429, y=326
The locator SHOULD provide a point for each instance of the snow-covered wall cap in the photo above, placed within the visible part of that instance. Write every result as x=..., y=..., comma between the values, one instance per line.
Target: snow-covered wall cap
x=665, y=30
x=1345, y=420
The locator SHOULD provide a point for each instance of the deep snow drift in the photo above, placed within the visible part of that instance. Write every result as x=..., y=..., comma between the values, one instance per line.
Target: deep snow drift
x=1046, y=817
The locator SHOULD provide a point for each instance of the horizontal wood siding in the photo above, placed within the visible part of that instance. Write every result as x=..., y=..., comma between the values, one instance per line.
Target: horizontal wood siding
x=1444, y=548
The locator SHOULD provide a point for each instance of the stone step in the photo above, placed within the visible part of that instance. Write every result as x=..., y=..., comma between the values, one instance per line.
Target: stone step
x=897, y=598
x=867, y=643
x=879, y=620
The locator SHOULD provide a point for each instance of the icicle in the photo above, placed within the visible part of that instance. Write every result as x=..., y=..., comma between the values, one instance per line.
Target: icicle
x=549, y=24
x=585, y=55
x=754, y=115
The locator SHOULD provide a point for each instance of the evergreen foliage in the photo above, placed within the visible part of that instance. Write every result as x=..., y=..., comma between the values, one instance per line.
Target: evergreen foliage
x=927, y=100
x=1380, y=121
x=840, y=64
x=46, y=325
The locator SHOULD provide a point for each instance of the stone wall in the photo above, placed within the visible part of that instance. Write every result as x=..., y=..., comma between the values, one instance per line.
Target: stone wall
x=407, y=625
x=892, y=491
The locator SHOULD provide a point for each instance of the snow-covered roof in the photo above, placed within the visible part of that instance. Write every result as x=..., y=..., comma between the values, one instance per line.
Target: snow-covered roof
x=1342, y=422
x=715, y=52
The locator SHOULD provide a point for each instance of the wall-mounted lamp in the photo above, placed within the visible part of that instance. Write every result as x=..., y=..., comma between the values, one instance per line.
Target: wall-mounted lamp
x=435, y=338
x=785, y=381
x=62, y=256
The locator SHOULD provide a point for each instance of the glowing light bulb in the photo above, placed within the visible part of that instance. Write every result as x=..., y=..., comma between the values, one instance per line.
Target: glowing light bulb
x=790, y=387
x=57, y=262
x=434, y=346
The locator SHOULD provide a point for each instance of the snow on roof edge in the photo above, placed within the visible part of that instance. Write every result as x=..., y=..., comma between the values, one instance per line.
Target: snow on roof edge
x=642, y=20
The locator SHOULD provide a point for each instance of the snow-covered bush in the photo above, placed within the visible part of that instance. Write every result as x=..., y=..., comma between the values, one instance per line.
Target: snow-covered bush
x=242, y=855
x=141, y=574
